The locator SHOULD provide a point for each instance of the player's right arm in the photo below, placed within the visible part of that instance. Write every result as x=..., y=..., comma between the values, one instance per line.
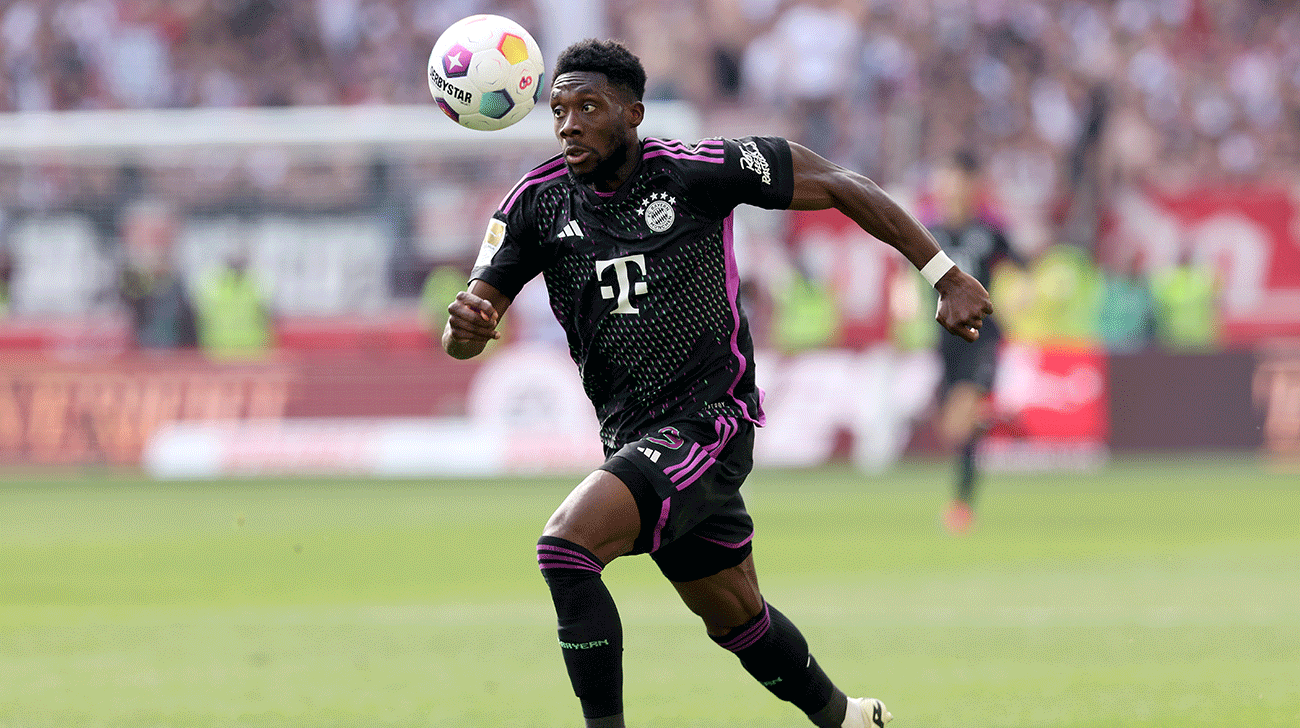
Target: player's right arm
x=820, y=185
x=507, y=259
x=472, y=320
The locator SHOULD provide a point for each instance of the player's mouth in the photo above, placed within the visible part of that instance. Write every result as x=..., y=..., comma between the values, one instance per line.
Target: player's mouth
x=575, y=155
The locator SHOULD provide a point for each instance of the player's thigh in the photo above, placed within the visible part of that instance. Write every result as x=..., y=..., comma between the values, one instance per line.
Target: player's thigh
x=726, y=599
x=600, y=515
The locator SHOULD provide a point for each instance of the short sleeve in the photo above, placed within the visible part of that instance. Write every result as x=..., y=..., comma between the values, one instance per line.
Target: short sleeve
x=755, y=171
x=509, y=256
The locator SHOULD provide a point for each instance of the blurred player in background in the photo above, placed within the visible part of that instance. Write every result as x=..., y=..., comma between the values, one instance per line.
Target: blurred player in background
x=633, y=237
x=976, y=245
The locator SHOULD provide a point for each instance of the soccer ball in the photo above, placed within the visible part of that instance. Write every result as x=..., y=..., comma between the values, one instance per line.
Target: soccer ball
x=485, y=72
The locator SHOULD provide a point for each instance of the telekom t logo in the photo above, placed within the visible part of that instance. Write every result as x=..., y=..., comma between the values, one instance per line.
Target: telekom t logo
x=622, y=288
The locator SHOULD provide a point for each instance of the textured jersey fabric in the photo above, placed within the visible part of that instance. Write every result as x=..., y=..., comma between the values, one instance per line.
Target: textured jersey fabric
x=644, y=280
x=975, y=248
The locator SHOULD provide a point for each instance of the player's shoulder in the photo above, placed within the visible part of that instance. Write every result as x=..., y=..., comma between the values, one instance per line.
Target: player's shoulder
x=547, y=174
x=678, y=152
x=710, y=149
x=726, y=156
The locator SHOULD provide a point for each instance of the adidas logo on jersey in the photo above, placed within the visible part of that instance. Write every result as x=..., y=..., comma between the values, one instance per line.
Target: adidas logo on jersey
x=571, y=230
x=650, y=452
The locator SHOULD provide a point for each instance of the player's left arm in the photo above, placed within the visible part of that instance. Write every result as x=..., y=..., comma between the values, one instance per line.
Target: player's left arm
x=819, y=184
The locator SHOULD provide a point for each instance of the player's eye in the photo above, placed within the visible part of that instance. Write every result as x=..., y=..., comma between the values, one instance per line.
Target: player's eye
x=588, y=107
x=556, y=111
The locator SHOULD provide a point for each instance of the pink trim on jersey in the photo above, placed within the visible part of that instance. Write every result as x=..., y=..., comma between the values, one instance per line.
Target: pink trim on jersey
x=659, y=527
x=690, y=455
x=748, y=538
x=704, y=144
x=701, y=152
x=679, y=155
x=533, y=178
x=733, y=294
x=695, y=460
x=698, y=461
x=704, y=468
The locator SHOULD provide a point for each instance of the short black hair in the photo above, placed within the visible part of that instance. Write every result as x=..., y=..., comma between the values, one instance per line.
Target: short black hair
x=610, y=57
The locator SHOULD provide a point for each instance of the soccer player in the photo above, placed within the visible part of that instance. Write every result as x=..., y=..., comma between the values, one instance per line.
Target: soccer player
x=976, y=246
x=634, y=238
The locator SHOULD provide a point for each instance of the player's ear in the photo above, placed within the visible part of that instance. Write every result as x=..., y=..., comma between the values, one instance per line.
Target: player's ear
x=635, y=113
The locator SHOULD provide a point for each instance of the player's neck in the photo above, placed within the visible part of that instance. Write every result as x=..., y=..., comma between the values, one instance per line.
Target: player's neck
x=614, y=177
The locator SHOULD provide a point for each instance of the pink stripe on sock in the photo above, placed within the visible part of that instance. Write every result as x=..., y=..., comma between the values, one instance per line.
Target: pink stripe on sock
x=557, y=559
x=575, y=567
x=570, y=553
x=751, y=635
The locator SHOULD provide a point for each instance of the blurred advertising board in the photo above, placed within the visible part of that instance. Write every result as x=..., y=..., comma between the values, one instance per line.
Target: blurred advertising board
x=380, y=447
x=1277, y=393
x=1051, y=410
x=521, y=408
x=103, y=411
x=1161, y=402
x=57, y=410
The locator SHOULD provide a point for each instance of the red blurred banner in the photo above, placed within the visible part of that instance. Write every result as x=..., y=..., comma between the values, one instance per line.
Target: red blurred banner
x=1251, y=236
x=832, y=248
x=1052, y=407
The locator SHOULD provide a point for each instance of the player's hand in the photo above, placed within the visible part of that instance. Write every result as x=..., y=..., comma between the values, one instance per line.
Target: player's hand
x=963, y=304
x=472, y=320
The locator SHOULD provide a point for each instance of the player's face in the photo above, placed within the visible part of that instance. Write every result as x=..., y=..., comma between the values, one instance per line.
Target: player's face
x=596, y=125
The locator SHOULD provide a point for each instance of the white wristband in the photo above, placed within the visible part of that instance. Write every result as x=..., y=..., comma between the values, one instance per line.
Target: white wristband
x=937, y=266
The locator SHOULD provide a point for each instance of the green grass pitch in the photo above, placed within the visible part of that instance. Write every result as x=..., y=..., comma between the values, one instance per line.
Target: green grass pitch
x=1154, y=593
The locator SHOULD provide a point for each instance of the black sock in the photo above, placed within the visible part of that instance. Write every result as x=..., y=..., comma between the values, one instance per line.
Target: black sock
x=771, y=649
x=591, y=635
x=966, y=471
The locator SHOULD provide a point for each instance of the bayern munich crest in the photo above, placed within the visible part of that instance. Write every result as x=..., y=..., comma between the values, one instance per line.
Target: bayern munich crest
x=658, y=211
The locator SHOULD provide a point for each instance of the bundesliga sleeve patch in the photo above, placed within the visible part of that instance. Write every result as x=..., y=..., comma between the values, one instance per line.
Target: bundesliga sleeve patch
x=496, y=232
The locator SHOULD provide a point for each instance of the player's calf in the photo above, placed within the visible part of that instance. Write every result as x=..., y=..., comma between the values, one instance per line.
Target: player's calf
x=775, y=653
x=591, y=634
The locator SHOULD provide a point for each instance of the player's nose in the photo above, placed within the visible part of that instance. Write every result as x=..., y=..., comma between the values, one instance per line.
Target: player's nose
x=567, y=125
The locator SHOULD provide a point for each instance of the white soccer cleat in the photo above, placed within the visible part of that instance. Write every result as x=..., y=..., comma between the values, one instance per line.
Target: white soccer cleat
x=874, y=713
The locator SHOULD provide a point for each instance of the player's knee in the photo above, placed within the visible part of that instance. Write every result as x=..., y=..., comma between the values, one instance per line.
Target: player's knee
x=561, y=557
x=558, y=525
x=954, y=431
x=957, y=425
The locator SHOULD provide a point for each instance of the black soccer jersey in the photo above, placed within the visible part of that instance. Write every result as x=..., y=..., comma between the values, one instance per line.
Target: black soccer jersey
x=644, y=279
x=975, y=248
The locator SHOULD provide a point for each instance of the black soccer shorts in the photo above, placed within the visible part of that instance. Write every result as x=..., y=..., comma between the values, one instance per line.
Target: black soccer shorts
x=686, y=478
x=969, y=361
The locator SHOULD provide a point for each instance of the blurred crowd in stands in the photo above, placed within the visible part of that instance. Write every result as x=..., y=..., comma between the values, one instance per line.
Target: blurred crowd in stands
x=1067, y=101
x=1191, y=87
